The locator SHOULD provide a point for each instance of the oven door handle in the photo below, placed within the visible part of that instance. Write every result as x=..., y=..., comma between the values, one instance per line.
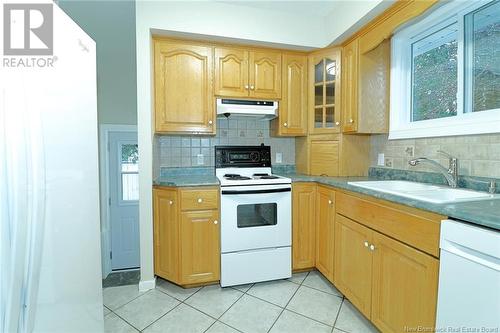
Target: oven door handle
x=226, y=192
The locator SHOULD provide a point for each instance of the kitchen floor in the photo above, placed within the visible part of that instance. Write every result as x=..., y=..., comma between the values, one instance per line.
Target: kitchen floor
x=305, y=303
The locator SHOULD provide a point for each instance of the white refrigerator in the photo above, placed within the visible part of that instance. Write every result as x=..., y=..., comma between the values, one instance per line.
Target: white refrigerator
x=50, y=269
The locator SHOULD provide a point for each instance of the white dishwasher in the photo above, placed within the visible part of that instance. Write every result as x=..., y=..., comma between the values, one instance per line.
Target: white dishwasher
x=469, y=278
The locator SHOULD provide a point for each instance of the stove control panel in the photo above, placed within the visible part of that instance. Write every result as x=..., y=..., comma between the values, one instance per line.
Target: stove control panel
x=242, y=156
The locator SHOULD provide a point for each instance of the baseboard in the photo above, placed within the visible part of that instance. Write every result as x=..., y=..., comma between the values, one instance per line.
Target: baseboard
x=147, y=285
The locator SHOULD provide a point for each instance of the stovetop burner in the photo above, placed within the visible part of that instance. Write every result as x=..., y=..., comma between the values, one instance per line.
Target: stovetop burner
x=264, y=176
x=233, y=176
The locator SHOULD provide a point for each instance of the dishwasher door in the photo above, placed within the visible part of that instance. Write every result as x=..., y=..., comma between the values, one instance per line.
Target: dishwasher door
x=469, y=278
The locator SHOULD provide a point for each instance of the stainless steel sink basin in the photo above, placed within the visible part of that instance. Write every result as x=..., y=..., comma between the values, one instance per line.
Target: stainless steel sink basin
x=424, y=192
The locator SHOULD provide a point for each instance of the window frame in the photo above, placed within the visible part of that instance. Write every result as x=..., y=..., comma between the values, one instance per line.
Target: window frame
x=401, y=98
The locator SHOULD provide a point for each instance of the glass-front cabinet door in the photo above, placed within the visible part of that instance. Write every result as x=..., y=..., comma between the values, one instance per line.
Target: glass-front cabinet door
x=325, y=93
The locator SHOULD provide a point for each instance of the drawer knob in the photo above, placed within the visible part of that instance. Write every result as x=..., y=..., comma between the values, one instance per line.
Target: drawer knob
x=330, y=202
x=285, y=124
x=215, y=222
x=252, y=87
x=210, y=122
x=351, y=121
x=246, y=86
x=372, y=247
x=200, y=200
x=337, y=123
x=170, y=202
x=366, y=244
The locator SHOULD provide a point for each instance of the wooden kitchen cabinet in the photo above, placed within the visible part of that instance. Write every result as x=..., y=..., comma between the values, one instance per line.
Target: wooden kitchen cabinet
x=324, y=91
x=183, y=75
x=325, y=231
x=247, y=73
x=404, y=287
x=200, y=239
x=186, y=235
x=292, y=115
x=353, y=262
x=303, y=226
x=350, y=58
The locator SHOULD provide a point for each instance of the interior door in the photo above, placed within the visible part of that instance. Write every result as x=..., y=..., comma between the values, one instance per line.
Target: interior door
x=124, y=200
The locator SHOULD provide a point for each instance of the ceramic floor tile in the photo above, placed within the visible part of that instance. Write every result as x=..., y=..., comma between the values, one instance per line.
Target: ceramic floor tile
x=315, y=304
x=147, y=308
x=352, y=321
x=290, y=322
x=182, y=319
x=298, y=277
x=114, y=297
x=219, y=327
x=214, y=300
x=243, y=287
x=317, y=281
x=277, y=292
x=106, y=310
x=251, y=315
x=175, y=291
x=114, y=324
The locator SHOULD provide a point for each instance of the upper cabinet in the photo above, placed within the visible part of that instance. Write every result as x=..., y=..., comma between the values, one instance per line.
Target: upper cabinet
x=324, y=92
x=292, y=116
x=350, y=86
x=183, y=77
x=243, y=73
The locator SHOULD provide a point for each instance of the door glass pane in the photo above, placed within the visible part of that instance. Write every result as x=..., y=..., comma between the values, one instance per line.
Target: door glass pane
x=318, y=95
x=485, y=57
x=130, y=186
x=129, y=158
x=318, y=117
x=330, y=69
x=318, y=72
x=329, y=116
x=330, y=93
x=256, y=215
x=434, y=73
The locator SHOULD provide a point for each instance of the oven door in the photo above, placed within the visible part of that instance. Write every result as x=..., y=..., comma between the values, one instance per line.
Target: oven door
x=255, y=217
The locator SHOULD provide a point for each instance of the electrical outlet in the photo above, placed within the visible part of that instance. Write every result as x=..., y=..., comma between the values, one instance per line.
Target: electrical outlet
x=410, y=151
x=279, y=158
x=199, y=159
x=389, y=162
x=381, y=159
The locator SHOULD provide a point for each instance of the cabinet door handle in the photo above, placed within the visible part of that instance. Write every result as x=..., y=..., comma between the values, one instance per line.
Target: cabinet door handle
x=366, y=244
x=246, y=86
x=372, y=247
x=200, y=200
x=330, y=202
x=170, y=202
x=351, y=121
x=337, y=123
x=252, y=87
x=285, y=124
x=210, y=122
x=215, y=222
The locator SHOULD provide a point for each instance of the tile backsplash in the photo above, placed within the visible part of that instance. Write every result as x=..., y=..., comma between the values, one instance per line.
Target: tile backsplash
x=182, y=151
x=478, y=155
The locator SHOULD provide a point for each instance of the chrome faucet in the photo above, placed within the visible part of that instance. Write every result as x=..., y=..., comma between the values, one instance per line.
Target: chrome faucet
x=451, y=174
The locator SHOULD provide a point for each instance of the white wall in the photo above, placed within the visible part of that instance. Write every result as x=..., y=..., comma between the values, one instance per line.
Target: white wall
x=231, y=21
x=112, y=26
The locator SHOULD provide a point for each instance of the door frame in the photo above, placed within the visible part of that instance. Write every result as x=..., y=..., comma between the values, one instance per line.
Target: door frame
x=104, y=155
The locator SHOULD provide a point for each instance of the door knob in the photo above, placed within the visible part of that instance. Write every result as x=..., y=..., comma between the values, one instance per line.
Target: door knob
x=215, y=222
x=285, y=124
x=200, y=200
x=372, y=247
x=170, y=202
x=351, y=121
x=246, y=86
x=210, y=122
x=252, y=87
x=366, y=244
x=337, y=123
x=329, y=202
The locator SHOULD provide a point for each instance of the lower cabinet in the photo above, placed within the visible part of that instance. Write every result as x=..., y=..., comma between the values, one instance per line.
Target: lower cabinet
x=325, y=218
x=303, y=226
x=392, y=284
x=187, y=236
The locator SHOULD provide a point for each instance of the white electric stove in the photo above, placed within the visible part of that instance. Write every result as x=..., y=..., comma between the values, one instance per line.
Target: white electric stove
x=256, y=228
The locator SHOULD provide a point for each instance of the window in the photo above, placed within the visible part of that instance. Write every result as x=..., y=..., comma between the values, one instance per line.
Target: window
x=129, y=168
x=445, y=72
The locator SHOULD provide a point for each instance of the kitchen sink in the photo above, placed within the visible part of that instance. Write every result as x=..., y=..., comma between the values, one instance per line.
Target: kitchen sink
x=424, y=192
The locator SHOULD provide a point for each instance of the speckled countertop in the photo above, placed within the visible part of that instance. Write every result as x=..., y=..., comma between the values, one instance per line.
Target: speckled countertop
x=485, y=213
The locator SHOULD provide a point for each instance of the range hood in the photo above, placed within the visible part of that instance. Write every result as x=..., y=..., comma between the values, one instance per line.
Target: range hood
x=262, y=110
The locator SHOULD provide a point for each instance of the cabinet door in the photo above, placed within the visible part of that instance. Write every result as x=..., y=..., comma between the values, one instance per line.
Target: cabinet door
x=324, y=93
x=324, y=158
x=350, y=63
x=353, y=262
x=231, y=72
x=325, y=218
x=166, y=234
x=405, y=284
x=265, y=74
x=303, y=225
x=183, y=88
x=200, y=246
x=293, y=106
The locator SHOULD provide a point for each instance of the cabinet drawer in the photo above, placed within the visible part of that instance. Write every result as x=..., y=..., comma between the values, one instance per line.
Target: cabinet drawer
x=412, y=226
x=197, y=199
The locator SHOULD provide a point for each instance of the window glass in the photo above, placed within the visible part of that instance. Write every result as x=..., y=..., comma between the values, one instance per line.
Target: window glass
x=256, y=215
x=434, y=75
x=485, y=47
x=130, y=172
x=130, y=186
x=129, y=158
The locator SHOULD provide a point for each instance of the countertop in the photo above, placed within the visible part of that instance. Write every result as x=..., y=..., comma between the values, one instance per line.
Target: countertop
x=484, y=213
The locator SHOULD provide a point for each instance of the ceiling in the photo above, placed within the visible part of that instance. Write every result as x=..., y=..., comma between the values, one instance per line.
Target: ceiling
x=318, y=8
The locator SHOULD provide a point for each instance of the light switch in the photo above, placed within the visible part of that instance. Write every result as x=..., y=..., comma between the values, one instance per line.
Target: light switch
x=381, y=159
x=279, y=158
x=200, y=159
